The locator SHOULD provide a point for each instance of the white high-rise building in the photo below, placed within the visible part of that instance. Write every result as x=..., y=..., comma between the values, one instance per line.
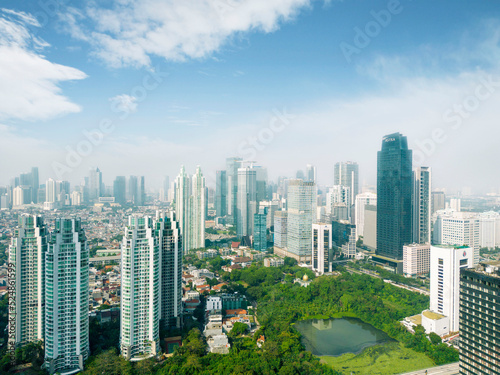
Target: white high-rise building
x=140, y=290
x=50, y=191
x=27, y=281
x=446, y=262
x=311, y=173
x=416, y=259
x=190, y=208
x=363, y=200
x=280, y=229
x=489, y=229
x=457, y=228
x=347, y=174
x=196, y=236
x=301, y=204
x=67, y=298
x=422, y=205
x=246, y=205
x=321, y=245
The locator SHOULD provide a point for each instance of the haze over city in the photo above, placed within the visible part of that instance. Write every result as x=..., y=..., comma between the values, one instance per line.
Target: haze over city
x=286, y=83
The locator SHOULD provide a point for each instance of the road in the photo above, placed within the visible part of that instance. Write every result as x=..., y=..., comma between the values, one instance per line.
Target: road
x=451, y=369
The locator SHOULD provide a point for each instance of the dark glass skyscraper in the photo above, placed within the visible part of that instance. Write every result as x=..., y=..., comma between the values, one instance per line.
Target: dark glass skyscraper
x=394, y=196
x=221, y=193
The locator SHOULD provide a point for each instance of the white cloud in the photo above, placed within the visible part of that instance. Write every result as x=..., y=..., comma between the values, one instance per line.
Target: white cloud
x=124, y=103
x=130, y=32
x=29, y=83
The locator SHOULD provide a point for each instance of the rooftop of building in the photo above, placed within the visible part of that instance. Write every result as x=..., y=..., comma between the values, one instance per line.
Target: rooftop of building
x=491, y=269
x=432, y=315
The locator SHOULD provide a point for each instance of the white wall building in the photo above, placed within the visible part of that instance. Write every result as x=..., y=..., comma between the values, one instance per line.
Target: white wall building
x=457, y=228
x=27, y=303
x=214, y=303
x=422, y=205
x=446, y=262
x=321, y=245
x=489, y=229
x=140, y=290
x=67, y=298
x=416, y=259
x=362, y=200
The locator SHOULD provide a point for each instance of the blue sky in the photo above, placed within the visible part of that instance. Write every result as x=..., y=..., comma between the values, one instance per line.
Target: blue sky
x=195, y=81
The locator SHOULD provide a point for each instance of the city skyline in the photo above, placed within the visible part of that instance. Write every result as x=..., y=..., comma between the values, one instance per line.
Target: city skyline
x=234, y=93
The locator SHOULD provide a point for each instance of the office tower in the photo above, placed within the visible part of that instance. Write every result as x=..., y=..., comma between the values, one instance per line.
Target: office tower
x=170, y=244
x=349, y=248
x=489, y=229
x=338, y=202
x=362, y=200
x=280, y=229
x=347, y=174
x=95, y=184
x=190, y=208
x=416, y=259
x=300, y=175
x=66, y=298
x=260, y=184
x=21, y=195
x=195, y=238
x=119, y=190
x=140, y=290
x=422, y=205
x=310, y=173
x=132, y=189
x=456, y=204
x=438, y=201
x=457, y=228
x=27, y=260
x=246, y=203
x=50, y=191
x=76, y=198
x=301, y=216
x=260, y=230
x=479, y=321
x=166, y=186
x=220, y=193
x=141, y=192
x=394, y=196
x=321, y=245
x=35, y=184
x=445, y=265
x=271, y=207
x=232, y=166
x=370, y=227
x=41, y=194
x=182, y=204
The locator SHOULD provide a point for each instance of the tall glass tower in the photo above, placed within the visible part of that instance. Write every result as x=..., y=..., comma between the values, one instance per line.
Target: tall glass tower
x=394, y=196
x=67, y=298
x=27, y=259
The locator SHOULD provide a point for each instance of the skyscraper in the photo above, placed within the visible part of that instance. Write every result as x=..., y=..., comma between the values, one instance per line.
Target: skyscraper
x=438, y=201
x=35, y=184
x=446, y=263
x=195, y=238
x=301, y=215
x=170, y=243
x=221, y=193
x=67, y=298
x=190, y=195
x=394, y=196
x=422, y=205
x=363, y=200
x=132, y=189
x=50, y=191
x=310, y=173
x=321, y=245
x=95, y=184
x=27, y=259
x=140, y=290
x=260, y=230
x=479, y=321
x=247, y=201
x=280, y=229
x=232, y=166
x=347, y=174
x=119, y=190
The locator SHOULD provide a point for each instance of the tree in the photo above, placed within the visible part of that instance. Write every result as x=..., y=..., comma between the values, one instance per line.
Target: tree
x=238, y=329
x=108, y=363
x=435, y=339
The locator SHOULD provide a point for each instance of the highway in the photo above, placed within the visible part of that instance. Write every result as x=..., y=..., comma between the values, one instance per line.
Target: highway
x=451, y=369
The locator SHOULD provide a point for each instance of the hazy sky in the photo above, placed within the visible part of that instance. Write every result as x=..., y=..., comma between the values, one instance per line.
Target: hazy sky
x=283, y=82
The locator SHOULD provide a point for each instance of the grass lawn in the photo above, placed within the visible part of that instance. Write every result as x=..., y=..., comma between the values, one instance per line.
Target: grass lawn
x=386, y=359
